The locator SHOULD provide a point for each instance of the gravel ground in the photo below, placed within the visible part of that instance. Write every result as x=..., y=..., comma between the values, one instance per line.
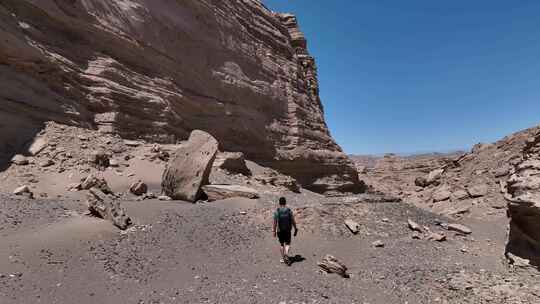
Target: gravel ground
x=223, y=252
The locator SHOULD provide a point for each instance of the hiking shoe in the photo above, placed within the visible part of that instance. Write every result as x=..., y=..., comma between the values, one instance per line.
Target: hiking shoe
x=281, y=261
x=287, y=260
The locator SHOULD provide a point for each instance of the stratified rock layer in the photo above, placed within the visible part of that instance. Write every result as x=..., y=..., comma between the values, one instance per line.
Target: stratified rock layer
x=524, y=204
x=158, y=69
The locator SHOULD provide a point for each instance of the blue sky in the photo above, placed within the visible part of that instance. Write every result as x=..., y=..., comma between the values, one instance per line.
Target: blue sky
x=417, y=76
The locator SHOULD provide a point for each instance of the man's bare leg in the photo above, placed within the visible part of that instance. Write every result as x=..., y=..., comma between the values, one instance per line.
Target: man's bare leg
x=282, y=250
x=287, y=247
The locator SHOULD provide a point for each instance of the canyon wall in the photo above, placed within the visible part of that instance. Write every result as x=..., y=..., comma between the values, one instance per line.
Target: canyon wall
x=523, y=197
x=157, y=69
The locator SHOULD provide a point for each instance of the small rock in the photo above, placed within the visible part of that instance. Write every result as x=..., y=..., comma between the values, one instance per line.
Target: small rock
x=378, y=244
x=100, y=158
x=132, y=143
x=353, y=226
x=437, y=237
x=37, y=146
x=75, y=187
x=459, y=195
x=459, y=228
x=414, y=226
x=441, y=195
x=331, y=264
x=21, y=190
x=113, y=163
x=46, y=163
x=416, y=235
x=385, y=220
x=478, y=190
x=20, y=160
x=164, y=198
x=138, y=188
x=92, y=181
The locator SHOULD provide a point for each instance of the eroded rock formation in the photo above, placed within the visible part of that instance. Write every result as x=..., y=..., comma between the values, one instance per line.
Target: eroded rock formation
x=159, y=69
x=524, y=205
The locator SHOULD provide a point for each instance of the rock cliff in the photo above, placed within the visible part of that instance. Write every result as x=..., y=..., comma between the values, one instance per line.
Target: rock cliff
x=524, y=204
x=158, y=69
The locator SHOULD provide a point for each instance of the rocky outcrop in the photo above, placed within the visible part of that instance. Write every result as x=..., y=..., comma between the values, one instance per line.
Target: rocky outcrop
x=232, y=162
x=190, y=167
x=524, y=205
x=221, y=192
x=158, y=69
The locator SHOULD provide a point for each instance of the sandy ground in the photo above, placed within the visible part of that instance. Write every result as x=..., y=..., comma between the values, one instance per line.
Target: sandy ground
x=214, y=253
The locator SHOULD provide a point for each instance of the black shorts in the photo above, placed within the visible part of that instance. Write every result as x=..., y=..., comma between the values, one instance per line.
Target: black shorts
x=284, y=237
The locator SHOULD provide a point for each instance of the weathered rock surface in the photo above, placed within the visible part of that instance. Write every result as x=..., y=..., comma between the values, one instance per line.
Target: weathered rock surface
x=353, y=226
x=331, y=264
x=138, y=188
x=156, y=70
x=233, y=162
x=19, y=160
x=190, y=167
x=105, y=207
x=221, y=192
x=524, y=205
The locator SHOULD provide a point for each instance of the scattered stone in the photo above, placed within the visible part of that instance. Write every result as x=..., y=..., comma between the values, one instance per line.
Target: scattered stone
x=164, y=198
x=20, y=160
x=331, y=264
x=93, y=181
x=458, y=210
x=114, y=163
x=148, y=195
x=441, y=195
x=459, y=228
x=437, y=237
x=501, y=172
x=37, y=146
x=478, y=190
x=278, y=180
x=385, y=220
x=190, y=167
x=353, y=226
x=459, y=195
x=24, y=191
x=221, y=192
x=416, y=235
x=100, y=159
x=138, y=188
x=46, y=163
x=414, y=226
x=431, y=179
x=132, y=143
x=105, y=207
x=378, y=244
x=75, y=187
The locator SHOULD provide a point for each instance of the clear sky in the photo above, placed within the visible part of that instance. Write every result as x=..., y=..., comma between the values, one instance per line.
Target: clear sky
x=423, y=75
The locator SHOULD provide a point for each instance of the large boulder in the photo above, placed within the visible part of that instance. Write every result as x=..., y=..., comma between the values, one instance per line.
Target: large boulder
x=221, y=192
x=190, y=167
x=106, y=207
x=524, y=205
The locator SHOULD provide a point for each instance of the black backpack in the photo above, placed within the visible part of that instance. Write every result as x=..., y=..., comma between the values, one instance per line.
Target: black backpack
x=284, y=219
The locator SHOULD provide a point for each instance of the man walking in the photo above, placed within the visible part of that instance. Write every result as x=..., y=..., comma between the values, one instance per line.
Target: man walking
x=283, y=224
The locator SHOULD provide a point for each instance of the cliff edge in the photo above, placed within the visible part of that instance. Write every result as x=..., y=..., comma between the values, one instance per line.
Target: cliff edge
x=156, y=70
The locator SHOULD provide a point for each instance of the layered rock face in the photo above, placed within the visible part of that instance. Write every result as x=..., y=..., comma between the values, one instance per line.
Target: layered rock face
x=158, y=69
x=524, y=205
